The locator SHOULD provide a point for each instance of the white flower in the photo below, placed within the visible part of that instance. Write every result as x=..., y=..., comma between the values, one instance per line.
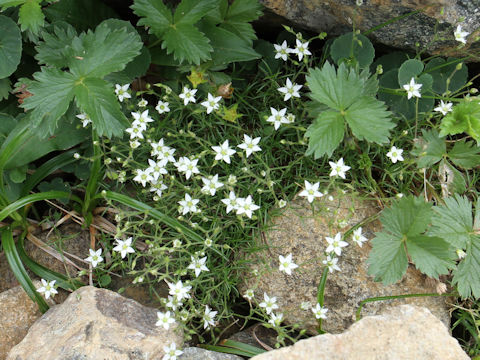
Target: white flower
x=173, y=303
x=412, y=89
x=301, y=49
x=246, y=206
x=143, y=176
x=335, y=244
x=209, y=317
x=338, y=168
x=198, y=265
x=358, y=238
x=208, y=242
x=141, y=118
x=210, y=186
x=305, y=305
x=461, y=253
x=136, y=131
x=124, y=247
x=249, y=294
x=164, y=319
x=290, y=118
x=95, y=257
x=179, y=290
x=250, y=145
x=157, y=187
x=275, y=320
x=311, y=191
x=282, y=50
x=212, y=103
x=444, y=108
x=122, y=92
x=331, y=263
x=157, y=168
x=48, y=288
x=76, y=156
x=277, y=117
x=135, y=144
x=85, y=119
x=142, y=103
x=188, y=204
x=171, y=352
x=269, y=303
x=231, y=202
x=162, y=107
x=290, y=90
x=161, y=151
x=223, y=152
x=187, y=166
x=460, y=35
x=395, y=154
x=282, y=203
x=320, y=312
x=286, y=264
x=188, y=95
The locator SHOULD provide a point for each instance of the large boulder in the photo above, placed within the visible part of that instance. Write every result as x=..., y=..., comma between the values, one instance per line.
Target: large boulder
x=96, y=324
x=300, y=231
x=402, y=333
x=337, y=16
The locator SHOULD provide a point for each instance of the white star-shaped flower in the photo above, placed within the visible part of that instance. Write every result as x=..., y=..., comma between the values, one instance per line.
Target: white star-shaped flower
x=444, y=108
x=122, y=92
x=198, y=265
x=301, y=49
x=136, y=131
x=250, y=145
x=335, y=244
x=286, y=264
x=290, y=89
x=277, y=117
x=413, y=89
x=157, y=168
x=358, y=237
x=275, y=320
x=188, y=95
x=142, y=103
x=85, y=119
x=173, y=303
x=269, y=303
x=187, y=166
x=210, y=186
x=157, y=187
x=311, y=191
x=188, y=204
x=164, y=319
x=246, y=206
x=124, y=247
x=331, y=264
x=171, y=352
x=143, y=176
x=48, y=288
x=395, y=154
x=320, y=312
x=223, y=152
x=162, y=107
x=338, y=168
x=141, y=118
x=249, y=294
x=179, y=290
x=209, y=317
x=281, y=51
x=460, y=35
x=231, y=202
x=95, y=257
x=212, y=103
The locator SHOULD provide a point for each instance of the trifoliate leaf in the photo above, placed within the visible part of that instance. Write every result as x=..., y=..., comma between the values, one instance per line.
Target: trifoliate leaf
x=325, y=134
x=55, y=49
x=433, y=256
x=429, y=149
x=465, y=154
x=191, y=11
x=453, y=221
x=369, y=119
x=352, y=47
x=153, y=14
x=466, y=276
x=410, y=68
x=30, y=16
x=10, y=46
x=96, y=98
x=387, y=261
x=465, y=117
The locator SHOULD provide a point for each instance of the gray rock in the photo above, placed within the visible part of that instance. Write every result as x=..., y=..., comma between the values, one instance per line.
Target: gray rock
x=195, y=353
x=402, y=333
x=299, y=231
x=336, y=17
x=96, y=324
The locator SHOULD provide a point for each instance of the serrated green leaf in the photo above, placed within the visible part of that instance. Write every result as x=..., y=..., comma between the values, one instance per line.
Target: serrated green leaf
x=10, y=46
x=410, y=68
x=453, y=221
x=134, y=69
x=387, y=260
x=429, y=149
x=431, y=255
x=445, y=74
x=107, y=50
x=336, y=89
x=371, y=83
x=52, y=93
x=154, y=14
x=465, y=154
x=244, y=10
x=465, y=117
x=5, y=4
x=5, y=88
x=187, y=43
x=353, y=47
x=96, y=98
x=325, y=134
x=243, y=30
x=369, y=119
x=30, y=16
x=190, y=11
x=55, y=49
x=466, y=276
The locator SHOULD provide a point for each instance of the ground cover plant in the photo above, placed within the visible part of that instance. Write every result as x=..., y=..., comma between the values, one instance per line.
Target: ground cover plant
x=194, y=154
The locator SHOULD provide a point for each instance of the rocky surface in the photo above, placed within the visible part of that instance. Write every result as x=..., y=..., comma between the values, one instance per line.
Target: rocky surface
x=17, y=313
x=96, y=324
x=402, y=333
x=299, y=231
x=195, y=353
x=337, y=16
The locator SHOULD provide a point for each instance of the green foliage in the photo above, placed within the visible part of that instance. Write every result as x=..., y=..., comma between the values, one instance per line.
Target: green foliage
x=351, y=98
x=30, y=15
x=354, y=49
x=464, y=118
x=404, y=227
x=89, y=57
x=10, y=46
x=448, y=75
